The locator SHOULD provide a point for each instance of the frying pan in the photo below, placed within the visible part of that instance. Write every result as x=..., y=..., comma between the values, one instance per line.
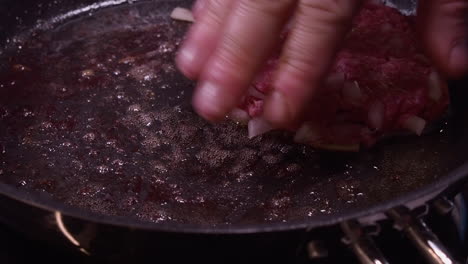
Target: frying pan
x=97, y=134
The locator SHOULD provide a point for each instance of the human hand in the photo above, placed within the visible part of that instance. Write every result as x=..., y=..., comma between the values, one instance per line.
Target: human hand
x=232, y=39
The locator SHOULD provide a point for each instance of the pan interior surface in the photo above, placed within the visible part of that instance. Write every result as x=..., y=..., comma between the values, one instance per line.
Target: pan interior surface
x=93, y=113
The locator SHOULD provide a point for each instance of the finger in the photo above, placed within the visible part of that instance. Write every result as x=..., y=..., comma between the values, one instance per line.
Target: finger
x=318, y=30
x=443, y=25
x=198, y=8
x=252, y=30
x=202, y=37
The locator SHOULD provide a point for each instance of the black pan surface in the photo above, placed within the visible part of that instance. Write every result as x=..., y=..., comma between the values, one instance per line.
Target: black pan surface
x=96, y=121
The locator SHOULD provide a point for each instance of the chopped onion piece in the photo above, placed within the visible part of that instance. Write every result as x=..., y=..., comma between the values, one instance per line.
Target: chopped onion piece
x=258, y=126
x=87, y=73
x=239, y=115
x=306, y=134
x=352, y=91
x=256, y=93
x=182, y=14
x=20, y=67
x=435, y=86
x=127, y=60
x=415, y=124
x=376, y=115
x=341, y=148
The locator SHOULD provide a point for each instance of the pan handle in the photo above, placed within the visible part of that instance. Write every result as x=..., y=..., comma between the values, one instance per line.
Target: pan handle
x=361, y=244
x=421, y=236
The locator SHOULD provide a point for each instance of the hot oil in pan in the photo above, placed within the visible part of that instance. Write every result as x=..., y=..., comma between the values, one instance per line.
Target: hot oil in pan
x=95, y=114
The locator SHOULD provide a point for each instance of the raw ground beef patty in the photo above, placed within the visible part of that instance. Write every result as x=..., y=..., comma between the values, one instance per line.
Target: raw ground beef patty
x=380, y=84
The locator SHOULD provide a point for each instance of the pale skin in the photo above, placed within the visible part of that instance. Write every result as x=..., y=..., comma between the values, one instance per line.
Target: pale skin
x=231, y=40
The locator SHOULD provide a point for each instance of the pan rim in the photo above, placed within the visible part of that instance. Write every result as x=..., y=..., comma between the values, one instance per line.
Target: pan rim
x=37, y=200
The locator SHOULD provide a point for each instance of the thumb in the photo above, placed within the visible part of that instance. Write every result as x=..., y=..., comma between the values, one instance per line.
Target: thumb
x=443, y=26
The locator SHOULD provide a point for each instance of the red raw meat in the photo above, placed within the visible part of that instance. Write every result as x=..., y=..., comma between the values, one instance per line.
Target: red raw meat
x=380, y=84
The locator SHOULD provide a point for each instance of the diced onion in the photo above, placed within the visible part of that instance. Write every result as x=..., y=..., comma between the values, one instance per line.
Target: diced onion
x=306, y=134
x=376, y=115
x=256, y=93
x=239, y=115
x=182, y=14
x=258, y=126
x=352, y=91
x=127, y=60
x=435, y=86
x=87, y=73
x=20, y=67
x=415, y=124
x=341, y=148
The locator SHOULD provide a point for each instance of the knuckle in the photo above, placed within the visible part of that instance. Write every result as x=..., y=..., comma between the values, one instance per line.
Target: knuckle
x=330, y=11
x=215, y=10
x=268, y=7
x=233, y=53
x=299, y=65
x=305, y=31
x=216, y=4
x=228, y=64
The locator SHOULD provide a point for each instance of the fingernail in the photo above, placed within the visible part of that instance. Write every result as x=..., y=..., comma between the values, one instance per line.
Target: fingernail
x=186, y=60
x=210, y=101
x=277, y=109
x=459, y=57
x=186, y=54
x=198, y=7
